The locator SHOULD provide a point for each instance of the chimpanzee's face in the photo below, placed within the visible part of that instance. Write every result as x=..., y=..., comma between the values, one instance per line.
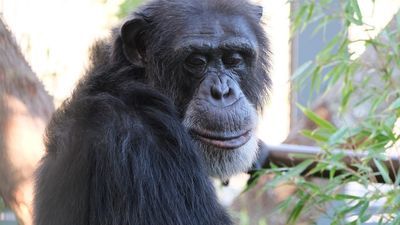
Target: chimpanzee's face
x=216, y=54
x=213, y=68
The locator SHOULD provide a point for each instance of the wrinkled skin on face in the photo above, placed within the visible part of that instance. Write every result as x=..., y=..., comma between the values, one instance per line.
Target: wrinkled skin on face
x=214, y=67
x=219, y=117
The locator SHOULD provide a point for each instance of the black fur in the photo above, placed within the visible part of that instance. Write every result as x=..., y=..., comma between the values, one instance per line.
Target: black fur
x=117, y=152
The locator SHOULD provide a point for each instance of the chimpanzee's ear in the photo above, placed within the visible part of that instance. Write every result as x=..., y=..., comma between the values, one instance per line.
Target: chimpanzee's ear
x=258, y=11
x=133, y=42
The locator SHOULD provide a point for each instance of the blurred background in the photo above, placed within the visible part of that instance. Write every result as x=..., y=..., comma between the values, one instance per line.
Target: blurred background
x=335, y=85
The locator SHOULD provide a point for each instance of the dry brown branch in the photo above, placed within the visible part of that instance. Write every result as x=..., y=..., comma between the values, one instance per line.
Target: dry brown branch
x=25, y=108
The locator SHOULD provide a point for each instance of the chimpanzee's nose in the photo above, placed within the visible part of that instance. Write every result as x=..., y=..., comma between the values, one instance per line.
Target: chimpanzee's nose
x=219, y=90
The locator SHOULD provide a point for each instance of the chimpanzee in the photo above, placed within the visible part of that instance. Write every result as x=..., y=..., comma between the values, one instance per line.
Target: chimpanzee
x=170, y=100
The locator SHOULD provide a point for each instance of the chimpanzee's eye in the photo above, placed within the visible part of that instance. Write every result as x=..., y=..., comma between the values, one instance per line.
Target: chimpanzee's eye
x=196, y=61
x=232, y=59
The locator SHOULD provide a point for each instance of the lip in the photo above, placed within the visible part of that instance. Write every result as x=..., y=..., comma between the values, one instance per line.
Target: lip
x=231, y=141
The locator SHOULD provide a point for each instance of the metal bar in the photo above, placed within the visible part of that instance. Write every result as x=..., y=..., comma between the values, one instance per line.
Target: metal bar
x=284, y=155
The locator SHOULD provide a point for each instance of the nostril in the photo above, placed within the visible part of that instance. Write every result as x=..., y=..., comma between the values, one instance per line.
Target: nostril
x=216, y=92
x=227, y=92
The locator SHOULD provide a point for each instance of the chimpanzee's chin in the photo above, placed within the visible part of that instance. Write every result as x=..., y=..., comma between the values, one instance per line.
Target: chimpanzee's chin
x=222, y=163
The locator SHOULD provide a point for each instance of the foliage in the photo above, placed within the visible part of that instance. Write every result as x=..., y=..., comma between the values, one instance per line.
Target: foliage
x=358, y=85
x=127, y=6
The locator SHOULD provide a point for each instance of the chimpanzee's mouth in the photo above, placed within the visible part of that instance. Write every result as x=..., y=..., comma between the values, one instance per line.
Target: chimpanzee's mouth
x=222, y=140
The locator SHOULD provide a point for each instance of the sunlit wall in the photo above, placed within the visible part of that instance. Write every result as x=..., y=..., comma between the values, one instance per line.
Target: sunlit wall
x=55, y=35
x=275, y=123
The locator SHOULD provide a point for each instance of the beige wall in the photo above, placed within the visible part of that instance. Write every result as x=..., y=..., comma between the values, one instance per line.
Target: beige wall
x=275, y=124
x=55, y=35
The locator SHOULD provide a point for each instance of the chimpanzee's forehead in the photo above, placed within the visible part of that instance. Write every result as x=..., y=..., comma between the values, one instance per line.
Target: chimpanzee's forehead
x=215, y=30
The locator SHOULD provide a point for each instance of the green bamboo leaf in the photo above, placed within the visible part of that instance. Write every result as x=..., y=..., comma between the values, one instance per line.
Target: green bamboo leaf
x=298, y=20
x=332, y=172
x=316, y=78
x=357, y=11
x=383, y=171
x=347, y=197
x=377, y=102
x=353, y=13
x=395, y=105
x=320, y=167
x=300, y=71
x=285, y=204
x=253, y=180
x=297, y=170
x=346, y=94
x=364, y=216
x=397, y=182
x=335, y=74
x=291, y=173
x=310, y=11
x=323, y=21
x=317, y=119
x=339, y=136
x=294, y=215
x=314, y=136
